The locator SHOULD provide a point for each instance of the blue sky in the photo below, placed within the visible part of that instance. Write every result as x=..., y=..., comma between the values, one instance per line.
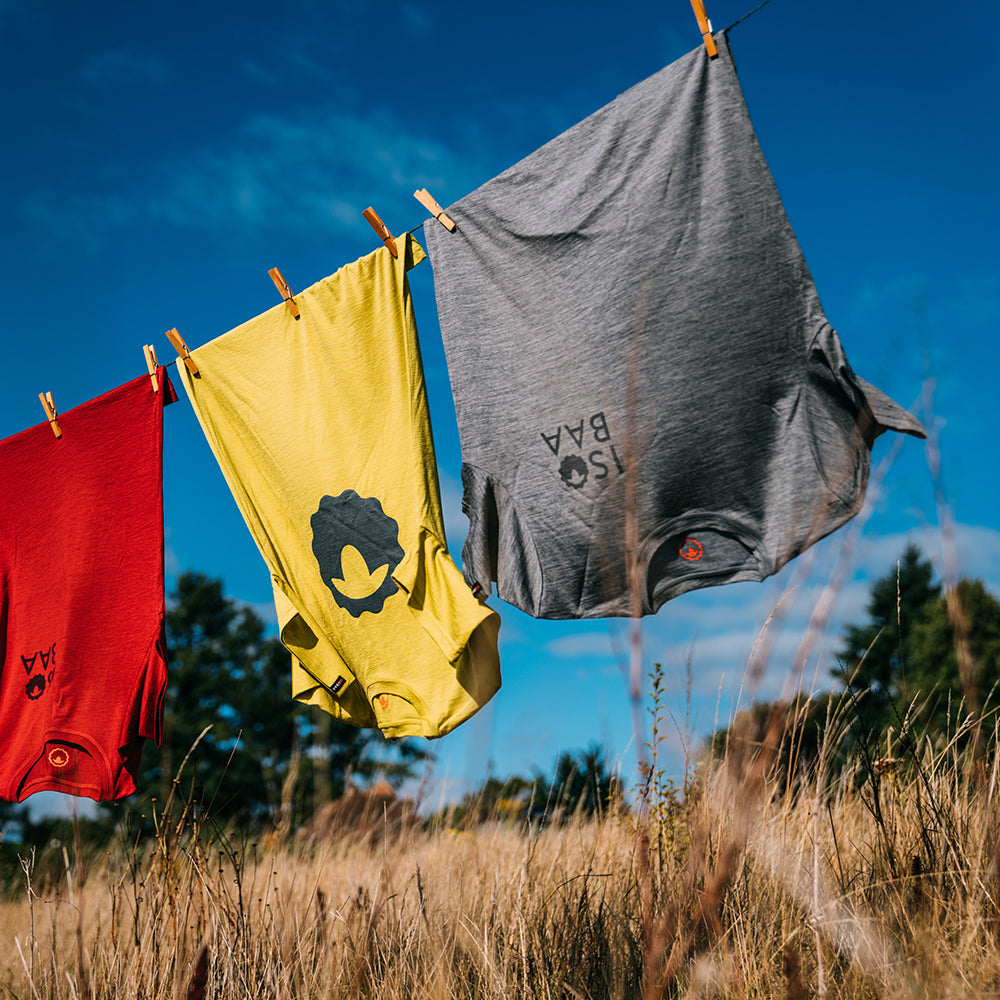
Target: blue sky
x=158, y=159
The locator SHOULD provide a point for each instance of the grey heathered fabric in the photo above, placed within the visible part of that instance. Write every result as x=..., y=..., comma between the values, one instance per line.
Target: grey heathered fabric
x=646, y=387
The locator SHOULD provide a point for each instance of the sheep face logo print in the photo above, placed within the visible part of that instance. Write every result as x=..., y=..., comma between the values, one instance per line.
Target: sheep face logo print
x=357, y=547
x=40, y=669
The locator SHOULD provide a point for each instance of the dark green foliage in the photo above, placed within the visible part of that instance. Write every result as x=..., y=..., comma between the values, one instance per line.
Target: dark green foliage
x=515, y=798
x=226, y=676
x=899, y=675
x=235, y=746
x=932, y=673
x=902, y=665
x=581, y=782
x=873, y=659
x=792, y=736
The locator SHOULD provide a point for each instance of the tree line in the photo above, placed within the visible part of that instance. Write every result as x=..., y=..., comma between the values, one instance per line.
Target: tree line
x=920, y=671
x=237, y=748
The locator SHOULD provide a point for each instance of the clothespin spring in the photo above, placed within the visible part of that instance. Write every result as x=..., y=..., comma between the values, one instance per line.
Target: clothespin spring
x=706, y=27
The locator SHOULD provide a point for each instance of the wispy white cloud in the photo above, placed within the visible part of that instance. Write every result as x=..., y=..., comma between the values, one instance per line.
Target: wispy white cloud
x=513, y=634
x=264, y=610
x=718, y=638
x=294, y=63
x=977, y=552
x=171, y=561
x=303, y=172
x=61, y=806
x=717, y=629
x=418, y=22
x=586, y=645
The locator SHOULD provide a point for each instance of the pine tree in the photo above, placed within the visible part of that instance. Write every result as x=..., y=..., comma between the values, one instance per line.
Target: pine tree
x=933, y=676
x=900, y=670
x=229, y=705
x=582, y=782
x=873, y=660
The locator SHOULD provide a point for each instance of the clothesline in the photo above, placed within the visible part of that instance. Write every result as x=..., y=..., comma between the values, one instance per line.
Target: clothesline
x=184, y=352
x=638, y=419
x=46, y=398
x=739, y=20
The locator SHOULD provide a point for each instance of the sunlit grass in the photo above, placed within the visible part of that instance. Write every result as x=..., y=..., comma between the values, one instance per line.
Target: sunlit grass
x=742, y=884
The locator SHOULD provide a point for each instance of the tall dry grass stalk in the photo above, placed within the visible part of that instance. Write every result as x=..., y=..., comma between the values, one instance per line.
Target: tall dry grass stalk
x=769, y=872
x=744, y=884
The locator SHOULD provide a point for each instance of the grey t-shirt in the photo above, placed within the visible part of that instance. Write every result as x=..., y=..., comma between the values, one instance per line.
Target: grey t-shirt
x=649, y=396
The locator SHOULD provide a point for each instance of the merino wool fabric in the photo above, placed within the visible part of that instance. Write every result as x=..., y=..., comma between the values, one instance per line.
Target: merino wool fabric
x=81, y=596
x=649, y=396
x=321, y=428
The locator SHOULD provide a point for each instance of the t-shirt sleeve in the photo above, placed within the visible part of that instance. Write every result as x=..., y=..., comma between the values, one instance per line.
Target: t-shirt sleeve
x=439, y=596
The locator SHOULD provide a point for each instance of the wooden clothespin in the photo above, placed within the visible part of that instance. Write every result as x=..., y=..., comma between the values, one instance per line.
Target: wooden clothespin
x=706, y=27
x=51, y=413
x=380, y=227
x=427, y=200
x=151, y=365
x=182, y=349
x=286, y=292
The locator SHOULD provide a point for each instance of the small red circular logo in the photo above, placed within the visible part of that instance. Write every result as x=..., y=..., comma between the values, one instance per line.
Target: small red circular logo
x=691, y=550
x=58, y=757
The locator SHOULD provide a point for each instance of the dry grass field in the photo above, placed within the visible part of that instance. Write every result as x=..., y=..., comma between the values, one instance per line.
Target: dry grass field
x=742, y=885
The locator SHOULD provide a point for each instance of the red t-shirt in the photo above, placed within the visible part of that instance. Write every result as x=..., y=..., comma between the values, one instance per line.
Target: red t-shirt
x=81, y=596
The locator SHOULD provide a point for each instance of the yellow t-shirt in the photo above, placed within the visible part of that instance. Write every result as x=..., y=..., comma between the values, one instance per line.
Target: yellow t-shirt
x=321, y=428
